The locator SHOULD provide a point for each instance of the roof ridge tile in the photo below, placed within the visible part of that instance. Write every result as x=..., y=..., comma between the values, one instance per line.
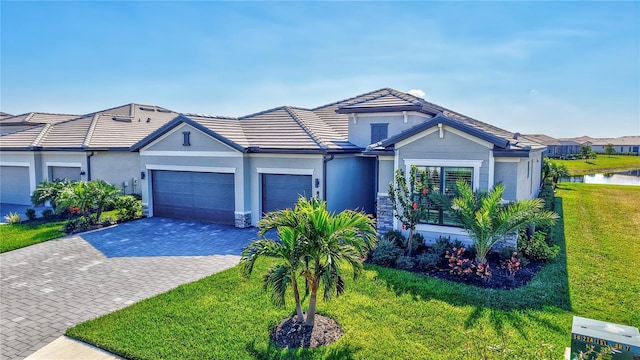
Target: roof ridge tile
x=45, y=130
x=92, y=128
x=306, y=128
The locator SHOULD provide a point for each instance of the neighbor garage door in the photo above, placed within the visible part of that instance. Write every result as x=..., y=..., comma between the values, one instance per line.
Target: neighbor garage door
x=194, y=195
x=64, y=172
x=14, y=185
x=282, y=191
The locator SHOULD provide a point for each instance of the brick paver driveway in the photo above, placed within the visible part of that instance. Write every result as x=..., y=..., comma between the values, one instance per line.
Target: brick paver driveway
x=49, y=287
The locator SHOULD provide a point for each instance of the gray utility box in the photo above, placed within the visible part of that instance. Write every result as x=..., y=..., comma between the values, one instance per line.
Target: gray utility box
x=590, y=337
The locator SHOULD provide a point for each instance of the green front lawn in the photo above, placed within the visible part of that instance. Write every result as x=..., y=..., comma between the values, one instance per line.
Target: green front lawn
x=601, y=164
x=15, y=236
x=391, y=314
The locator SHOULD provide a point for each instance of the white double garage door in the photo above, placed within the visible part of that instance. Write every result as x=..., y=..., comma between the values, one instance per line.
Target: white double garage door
x=16, y=181
x=210, y=197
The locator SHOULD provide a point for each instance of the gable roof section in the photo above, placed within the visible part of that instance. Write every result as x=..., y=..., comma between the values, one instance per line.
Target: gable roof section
x=200, y=125
x=4, y=115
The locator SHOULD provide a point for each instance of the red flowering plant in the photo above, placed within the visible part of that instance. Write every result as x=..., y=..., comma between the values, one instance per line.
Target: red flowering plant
x=409, y=199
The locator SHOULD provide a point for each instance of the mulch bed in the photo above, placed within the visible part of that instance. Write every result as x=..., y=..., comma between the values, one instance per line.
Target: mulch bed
x=500, y=278
x=289, y=334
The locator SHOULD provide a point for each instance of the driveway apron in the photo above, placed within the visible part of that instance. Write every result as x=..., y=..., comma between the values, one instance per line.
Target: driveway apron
x=49, y=287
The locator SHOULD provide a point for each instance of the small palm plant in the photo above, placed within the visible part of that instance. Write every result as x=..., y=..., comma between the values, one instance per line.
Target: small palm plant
x=49, y=191
x=488, y=220
x=314, y=244
x=87, y=196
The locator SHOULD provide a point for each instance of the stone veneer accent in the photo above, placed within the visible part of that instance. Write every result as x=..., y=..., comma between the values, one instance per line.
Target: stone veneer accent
x=384, y=215
x=243, y=220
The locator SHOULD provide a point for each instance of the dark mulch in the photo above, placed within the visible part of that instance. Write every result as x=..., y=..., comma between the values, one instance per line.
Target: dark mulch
x=500, y=278
x=289, y=334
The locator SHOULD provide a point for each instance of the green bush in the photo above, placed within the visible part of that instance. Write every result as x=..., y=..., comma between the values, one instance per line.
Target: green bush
x=536, y=247
x=428, y=260
x=547, y=195
x=80, y=223
x=386, y=253
x=395, y=237
x=13, y=218
x=47, y=214
x=404, y=262
x=128, y=207
x=31, y=213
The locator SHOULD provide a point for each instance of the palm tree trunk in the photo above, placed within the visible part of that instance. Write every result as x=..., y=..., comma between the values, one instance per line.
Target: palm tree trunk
x=311, y=313
x=296, y=295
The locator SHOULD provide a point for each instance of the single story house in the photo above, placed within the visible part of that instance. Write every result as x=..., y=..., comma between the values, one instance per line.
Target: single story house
x=232, y=170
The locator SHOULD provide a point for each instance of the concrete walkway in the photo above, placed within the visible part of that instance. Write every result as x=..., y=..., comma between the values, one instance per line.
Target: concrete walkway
x=66, y=348
x=49, y=287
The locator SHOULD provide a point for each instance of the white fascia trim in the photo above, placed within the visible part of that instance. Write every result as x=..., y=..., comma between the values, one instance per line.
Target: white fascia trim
x=383, y=194
x=386, y=158
x=284, y=171
x=447, y=230
x=62, y=164
x=175, y=130
x=290, y=156
x=491, y=170
x=211, y=169
x=15, y=163
x=415, y=137
x=242, y=212
x=507, y=159
x=192, y=153
x=475, y=164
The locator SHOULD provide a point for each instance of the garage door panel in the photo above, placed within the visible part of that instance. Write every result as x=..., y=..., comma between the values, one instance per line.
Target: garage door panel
x=194, y=195
x=281, y=191
x=14, y=185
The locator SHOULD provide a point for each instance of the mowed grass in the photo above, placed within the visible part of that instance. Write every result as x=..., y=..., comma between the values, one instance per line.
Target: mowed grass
x=15, y=236
x=601, y=164
x=391, y=314
x=602, y=230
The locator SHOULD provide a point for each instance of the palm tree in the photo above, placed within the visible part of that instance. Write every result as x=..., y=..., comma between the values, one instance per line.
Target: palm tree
x=488, y=220
x=48, y=191
x=323, y=242
x=87, y=196
x=281, y=276
x=554, y=171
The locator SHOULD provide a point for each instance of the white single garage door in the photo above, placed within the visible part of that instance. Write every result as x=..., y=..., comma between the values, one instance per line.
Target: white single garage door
x=191, y=195
x=14, y=185
x=282, y=191
x=64, y=172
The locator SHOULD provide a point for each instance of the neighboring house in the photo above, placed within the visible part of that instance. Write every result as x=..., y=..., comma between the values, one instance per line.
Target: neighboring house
x=622, y=145
x=232, y=170
x=91, y=146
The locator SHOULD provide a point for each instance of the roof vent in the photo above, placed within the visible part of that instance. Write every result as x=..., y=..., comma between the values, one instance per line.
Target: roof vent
x=148, y=120
x=121, y=118
x=516, y=135
x=146, y=108
x=163, y=110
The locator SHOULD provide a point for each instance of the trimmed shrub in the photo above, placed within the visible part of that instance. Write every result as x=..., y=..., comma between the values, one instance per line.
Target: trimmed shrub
x=547, y=195
x=405, y=262
x=428, y=260
x=386, y=253
x=395, y=237
x=536, y=247
x=47, y=214
x=128, y=207
x=80, y=223
x=13, y=218
x=31, y=213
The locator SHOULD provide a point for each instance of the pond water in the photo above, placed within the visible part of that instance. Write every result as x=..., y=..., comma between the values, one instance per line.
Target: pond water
x=631, y=177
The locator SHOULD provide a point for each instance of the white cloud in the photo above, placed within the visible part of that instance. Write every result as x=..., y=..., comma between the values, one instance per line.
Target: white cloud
x=417, y=92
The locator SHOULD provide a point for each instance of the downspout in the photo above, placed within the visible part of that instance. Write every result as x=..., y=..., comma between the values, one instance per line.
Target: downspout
x=89, y=165
x=325, y=160
x=376, y=183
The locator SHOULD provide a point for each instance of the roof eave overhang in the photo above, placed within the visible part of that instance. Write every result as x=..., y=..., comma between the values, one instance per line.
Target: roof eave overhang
x=442, y=119
x=378, y=109
x=511, y=153
x=177, y=121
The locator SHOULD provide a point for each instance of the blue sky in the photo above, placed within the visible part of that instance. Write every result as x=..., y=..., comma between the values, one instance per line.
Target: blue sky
x=563, y=69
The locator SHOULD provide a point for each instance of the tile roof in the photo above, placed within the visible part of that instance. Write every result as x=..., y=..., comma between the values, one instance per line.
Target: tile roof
x=324, y=128
x=115, y=128
x=4, y=115
x=35, y=118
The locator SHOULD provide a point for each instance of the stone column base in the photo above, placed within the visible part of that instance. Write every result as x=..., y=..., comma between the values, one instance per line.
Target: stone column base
x=384, y=214
x=243, y=219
